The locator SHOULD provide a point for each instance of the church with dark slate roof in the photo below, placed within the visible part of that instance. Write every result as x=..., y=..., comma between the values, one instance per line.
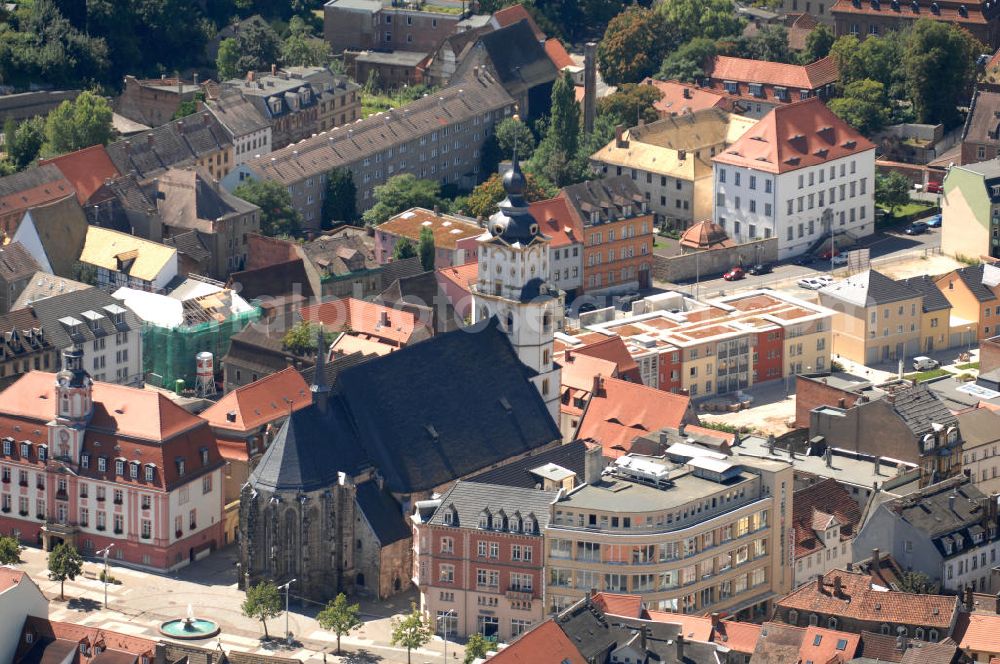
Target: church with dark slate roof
x=327, y=503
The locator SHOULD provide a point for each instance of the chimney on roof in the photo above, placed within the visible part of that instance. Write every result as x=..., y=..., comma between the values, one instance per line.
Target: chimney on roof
x=951, y=502
x=875, y=560
x=163, y=77
x=274, y=69
x=384, y=318
x=194, y=78
x=599, y=390
x=589, y=86
x=715, y=620
x=878, y=465
x=828, y=457
x=642, y=639
x=620, y=136
x=681, y=429
x=819, y=583
x=970, y=599
x=150, y=139
x=680, y=647
x=687, y=93
x=568, y=356
x=593, y=464
x=437, y=210
x=590, y=596
x=838, y=586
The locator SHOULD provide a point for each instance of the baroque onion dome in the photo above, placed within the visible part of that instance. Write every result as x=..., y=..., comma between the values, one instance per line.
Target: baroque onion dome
x=513, y=223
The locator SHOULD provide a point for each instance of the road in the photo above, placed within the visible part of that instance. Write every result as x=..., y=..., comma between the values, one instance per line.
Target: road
x=882, y=245
x=142, y=601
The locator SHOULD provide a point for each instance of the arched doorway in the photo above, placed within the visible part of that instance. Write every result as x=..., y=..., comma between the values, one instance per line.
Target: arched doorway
x=359, y=580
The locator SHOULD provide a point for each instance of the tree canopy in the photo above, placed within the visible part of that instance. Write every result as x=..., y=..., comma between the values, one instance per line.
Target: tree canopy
x=403, y=249
x=629, y=104
x=277, y=216
x=263, y=601
x=634, y=45
x=414, y=630
x=714, y=19
x=301, y=339
x=10, y=550
x=483, y=200
x=425, y=248
x=77, y=124
x=892, y=190
x=863, y=105
x=689, y=62
x=818, y=44
x=939, y=65
x=339, y=198
x=510, y=131
x=400, y=193
x=340, y=617
x=64, y=563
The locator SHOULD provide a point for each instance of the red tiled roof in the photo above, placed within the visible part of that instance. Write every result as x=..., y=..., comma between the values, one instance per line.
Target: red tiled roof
x=9, y=577
x=557, y=221
x=461, y=275
x=739, y=636
x=696, y=628
x=799, y=31
x=557, y=53
x=858, y=601
x=515, y=14
x=802, y=77
x=629, y=606
x=260, y=402
x=128, y=423
x=821, y=645
x=578, y=370
x=812, y=509
x=544, y=643
x=364, y=318
x=945, y=12
x=623, y=411
x=50, y=630
x=614, y=350
x=978, y=631
x=86, y=170
x=679, y=98
x=793, y=136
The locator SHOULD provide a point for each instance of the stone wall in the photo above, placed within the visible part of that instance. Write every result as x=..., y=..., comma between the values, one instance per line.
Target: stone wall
x=713, y=262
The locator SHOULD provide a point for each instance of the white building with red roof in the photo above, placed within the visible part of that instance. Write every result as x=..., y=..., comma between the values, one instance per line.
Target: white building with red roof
x=761, y=86
x=797, y=175
x=19, y=598
x=94, y=464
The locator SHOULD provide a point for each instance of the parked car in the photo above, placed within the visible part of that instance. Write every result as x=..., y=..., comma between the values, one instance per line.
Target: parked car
x=916, y=228
x=933, y=222
x=839, y=260
x=815, y=283
x=924, y=363
x=827, y=255
x=735, y=274
x=761, y=268
x=933, y=188
x=804, y=259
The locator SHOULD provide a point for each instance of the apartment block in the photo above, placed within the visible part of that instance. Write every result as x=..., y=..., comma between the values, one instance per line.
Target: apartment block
x=705, y=535
x=386, y=25
x=670, y=161
x=437, y=137
x=970, y=210
x=722, y=345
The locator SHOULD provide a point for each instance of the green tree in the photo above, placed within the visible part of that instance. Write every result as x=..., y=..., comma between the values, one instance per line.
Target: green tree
x=77, y=124
x=400, y=193
x=340, y=617
x=939, y=64
x=302, y=51
x=339, y=198
x=876, y=59
x=916, y=582
x=227, y=59
x=257, y=47
x=690, y=61
x=714, y=19
x=425, y=249
x=770, y=43
x=26, y=142
x=564, y=125
x=629, y=104
x=412, y=631
x=476, y=648
x=483, y=200
x=277, y=216
x=863, y=105
x=10, y=550
x=891, y=191
x=633, y=45
x=818, y=44
x=512, y=131
x=64, y=563
x=263, y=601
x=188, y=106
x=302, y=337
x=403, y=249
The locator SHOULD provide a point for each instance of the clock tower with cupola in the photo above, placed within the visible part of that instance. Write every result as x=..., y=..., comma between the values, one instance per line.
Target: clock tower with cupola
x=512, y=284
x=74, y=405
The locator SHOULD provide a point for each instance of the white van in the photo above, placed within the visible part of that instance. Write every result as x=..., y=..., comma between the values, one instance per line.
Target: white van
x=923, y=363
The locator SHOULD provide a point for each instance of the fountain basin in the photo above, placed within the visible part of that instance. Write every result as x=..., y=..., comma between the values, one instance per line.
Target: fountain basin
x=189, y=628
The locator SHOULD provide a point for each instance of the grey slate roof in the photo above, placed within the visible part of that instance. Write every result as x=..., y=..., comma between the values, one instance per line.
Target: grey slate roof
x=517, y=473
x=189, y=243
x=403, y=269
x=31, y=177
x=73, y=304
x=934, y=299
x=430, y=423
x=882, y=289
x=519, y=60
x=236, y=114
x=382, y=512
x=467, y=500
x=929, y=510
x=16, y=262
x=176, y=143
x=62, y=230
x=43, y=285
x=189, y=198
x=332, y=368
x=973, y=278
x=421, y=295
x=593, y=195
x=272, y=280
x=919, y=407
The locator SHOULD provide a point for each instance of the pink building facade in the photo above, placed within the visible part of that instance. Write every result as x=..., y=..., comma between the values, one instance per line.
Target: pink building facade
x=94, y=464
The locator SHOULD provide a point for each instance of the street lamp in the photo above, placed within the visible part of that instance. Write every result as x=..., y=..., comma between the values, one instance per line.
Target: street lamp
x=104, y=552
x=288, y=634
x=443, y=617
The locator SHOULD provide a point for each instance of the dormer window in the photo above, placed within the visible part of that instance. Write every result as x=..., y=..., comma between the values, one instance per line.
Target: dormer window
x=119, y=467
x=500, y=523
x=952, y=435
x=732, y=87
x=529, y=524
x=102, y=464
x=204, y=456
x=85, y=460
x=485, y=520
x=150, y=471
x=8, y=446
x=180, y=466
x=757, y=90
x=25, y=450
x=133, y=470
x=43, y=452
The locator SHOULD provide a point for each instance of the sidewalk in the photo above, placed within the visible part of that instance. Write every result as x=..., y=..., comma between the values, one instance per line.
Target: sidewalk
x=144, y=600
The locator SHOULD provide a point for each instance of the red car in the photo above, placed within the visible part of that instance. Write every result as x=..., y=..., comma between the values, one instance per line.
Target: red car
x=734, y=274
x=933, y=188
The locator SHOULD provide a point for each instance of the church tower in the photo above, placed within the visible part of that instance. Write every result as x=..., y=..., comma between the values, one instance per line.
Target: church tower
x=74, y=404
x=513, y=285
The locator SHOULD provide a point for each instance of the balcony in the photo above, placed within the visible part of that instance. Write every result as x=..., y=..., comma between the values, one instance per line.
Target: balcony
x=146, y=536
x=118, y=531
x=23, y=483
x=6, y=479
x=23, y=512
x=118, y=501
x=40, y=486
x=179, y=533
x=83, y=494
x=101, y=528
x=5, y=510
x=100, y=498
x=40, y=517
x=62, y=495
